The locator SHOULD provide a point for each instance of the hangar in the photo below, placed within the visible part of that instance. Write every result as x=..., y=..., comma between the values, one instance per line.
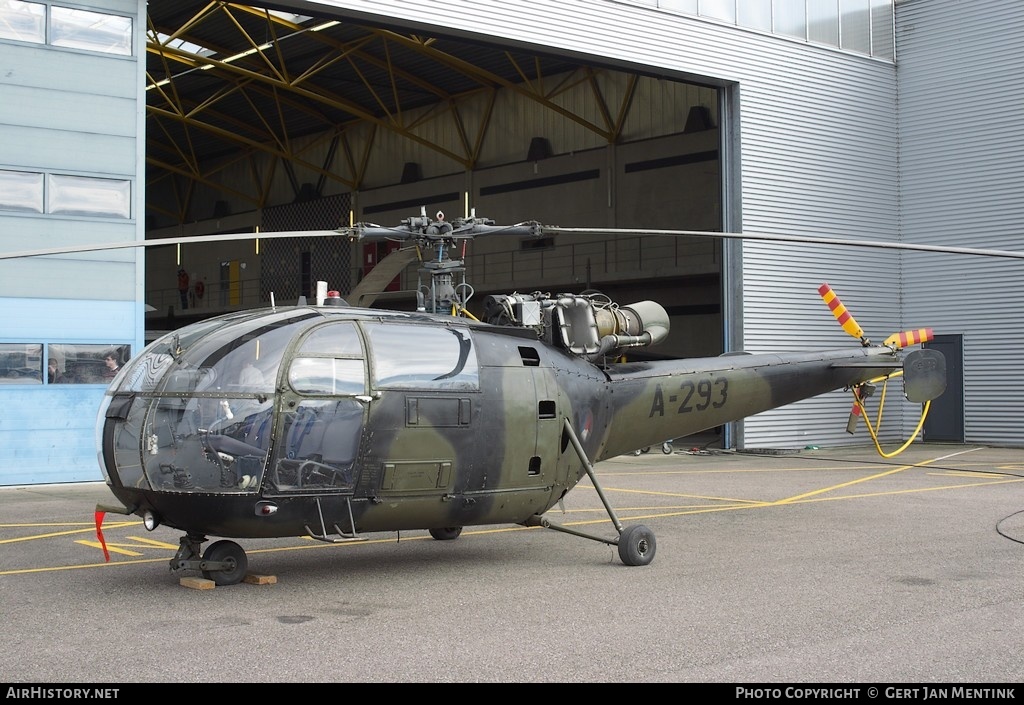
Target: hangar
x=871, y=120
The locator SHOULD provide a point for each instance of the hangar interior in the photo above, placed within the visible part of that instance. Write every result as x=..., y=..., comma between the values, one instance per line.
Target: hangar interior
x=304, y=115
x=264, y=120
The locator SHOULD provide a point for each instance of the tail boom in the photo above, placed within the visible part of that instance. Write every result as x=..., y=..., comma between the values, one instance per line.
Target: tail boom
x=660, y=400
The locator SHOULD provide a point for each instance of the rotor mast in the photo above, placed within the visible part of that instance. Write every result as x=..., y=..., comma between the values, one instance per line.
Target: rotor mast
x=441, y=247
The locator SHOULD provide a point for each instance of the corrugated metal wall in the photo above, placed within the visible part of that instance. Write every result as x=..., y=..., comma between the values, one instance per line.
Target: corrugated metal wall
x=816, y=151
x=961, y=89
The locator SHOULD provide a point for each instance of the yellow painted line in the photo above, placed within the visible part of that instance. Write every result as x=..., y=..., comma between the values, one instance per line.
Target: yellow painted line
x=728, y=508
x=919, y=489
x=869, y=478
x=665, y=515
x=55, y=523
x=154, y=542
x=111, y=547
x=673, y=494
x=966, y=473
x=741, y=471
x=71, y=532
x=127, y=549
x=669, y=507
x=652, y=513
x=315, y=545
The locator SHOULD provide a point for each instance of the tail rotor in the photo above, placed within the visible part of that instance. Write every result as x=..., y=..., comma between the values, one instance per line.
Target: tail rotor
x=908, y=338
x=923, y=371
x=896, y=341
x=845, y=318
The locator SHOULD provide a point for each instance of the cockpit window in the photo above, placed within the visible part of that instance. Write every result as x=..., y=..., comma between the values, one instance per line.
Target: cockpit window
x=243, y=357
x=326, y=375
x=408, y=356
x=330, y=361
x=234, y=354
x=339, y=339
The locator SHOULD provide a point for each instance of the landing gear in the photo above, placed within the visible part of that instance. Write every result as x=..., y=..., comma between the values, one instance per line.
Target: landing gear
x=224, y=562
x=448, y=533
x=636, y=544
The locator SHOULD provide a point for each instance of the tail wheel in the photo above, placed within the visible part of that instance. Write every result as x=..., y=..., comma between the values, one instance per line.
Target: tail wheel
x=637, y=545
x=231, y=555
x=446, y=534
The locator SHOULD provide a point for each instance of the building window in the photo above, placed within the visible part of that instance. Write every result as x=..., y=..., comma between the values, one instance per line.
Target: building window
x=756, y=14
x=92, y=31
x=823, y=21
x=82, y=195
x=23, y=21
x=84, y=364
x=21, y=363
x=883, y=43
x=790, y=18
x=719, y=9
x=69, y=28
x=855, y=26
x=21, y=191
x=64, y=195
x=863, y=26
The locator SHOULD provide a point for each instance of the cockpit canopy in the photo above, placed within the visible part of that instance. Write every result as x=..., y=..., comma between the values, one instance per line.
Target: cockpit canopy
x=220, y=405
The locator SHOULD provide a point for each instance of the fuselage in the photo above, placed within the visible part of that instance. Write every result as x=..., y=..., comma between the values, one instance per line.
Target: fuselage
x=342, y=420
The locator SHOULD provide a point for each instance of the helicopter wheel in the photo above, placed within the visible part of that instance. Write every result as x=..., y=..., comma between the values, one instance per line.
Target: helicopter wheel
x=637, y=545
x=448, y=533
x=666, y=448
x=230, y=553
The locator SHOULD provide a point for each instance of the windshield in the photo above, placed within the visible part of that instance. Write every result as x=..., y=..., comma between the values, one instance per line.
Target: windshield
x=194, y=411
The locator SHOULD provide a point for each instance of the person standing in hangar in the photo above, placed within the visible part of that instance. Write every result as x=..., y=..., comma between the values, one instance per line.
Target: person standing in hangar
x=183, y=282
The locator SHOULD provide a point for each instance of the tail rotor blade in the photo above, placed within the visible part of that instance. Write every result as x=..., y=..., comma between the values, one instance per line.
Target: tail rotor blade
x=909, y=337
x=846, y=320
x=851, y=424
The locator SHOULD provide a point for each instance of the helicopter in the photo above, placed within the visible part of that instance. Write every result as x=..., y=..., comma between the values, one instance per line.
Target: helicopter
x=335, y=421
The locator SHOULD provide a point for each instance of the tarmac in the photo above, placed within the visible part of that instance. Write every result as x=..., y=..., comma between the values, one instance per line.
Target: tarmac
x=815, y=566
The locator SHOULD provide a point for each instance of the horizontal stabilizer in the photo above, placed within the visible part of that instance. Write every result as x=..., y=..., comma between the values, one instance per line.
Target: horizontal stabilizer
x=892, y=365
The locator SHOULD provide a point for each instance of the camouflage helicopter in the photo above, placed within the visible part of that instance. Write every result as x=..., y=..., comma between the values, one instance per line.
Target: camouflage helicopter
x=334, y=421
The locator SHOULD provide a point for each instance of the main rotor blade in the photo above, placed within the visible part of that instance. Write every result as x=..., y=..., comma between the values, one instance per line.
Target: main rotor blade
x=369, y=288
x=164, y=242
x=784, y=237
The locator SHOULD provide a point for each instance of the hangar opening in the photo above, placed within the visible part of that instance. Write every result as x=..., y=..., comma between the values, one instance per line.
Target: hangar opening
x=262, y=120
